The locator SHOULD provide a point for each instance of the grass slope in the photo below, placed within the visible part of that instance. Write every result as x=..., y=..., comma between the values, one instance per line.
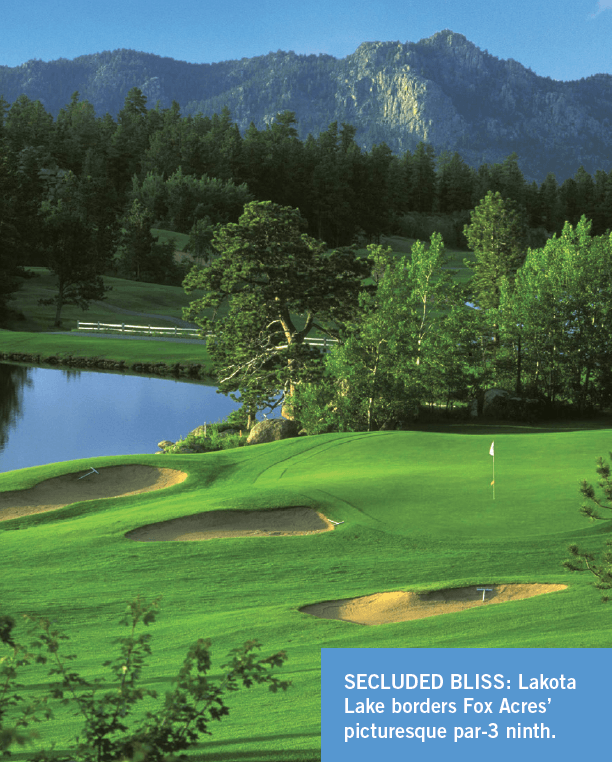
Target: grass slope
x=126, y=294
x=128, y=351
x=418, y=514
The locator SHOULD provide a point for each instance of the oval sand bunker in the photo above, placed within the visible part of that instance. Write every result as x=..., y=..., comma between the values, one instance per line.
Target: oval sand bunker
x=225, y=524
x=112, y=481
x=384, y=608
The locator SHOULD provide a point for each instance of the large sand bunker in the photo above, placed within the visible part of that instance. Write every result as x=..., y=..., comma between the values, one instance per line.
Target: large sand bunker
x=112, y=481
x=384, y=608
x=221, y=524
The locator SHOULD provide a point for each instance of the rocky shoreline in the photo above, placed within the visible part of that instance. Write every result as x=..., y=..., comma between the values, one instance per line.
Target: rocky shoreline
x=177, y=370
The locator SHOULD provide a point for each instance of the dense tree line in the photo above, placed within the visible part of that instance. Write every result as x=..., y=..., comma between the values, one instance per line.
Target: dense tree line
x=183, y=169
x=533, y=320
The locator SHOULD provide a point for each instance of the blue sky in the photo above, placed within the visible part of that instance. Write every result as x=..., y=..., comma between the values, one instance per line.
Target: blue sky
x=562, y=39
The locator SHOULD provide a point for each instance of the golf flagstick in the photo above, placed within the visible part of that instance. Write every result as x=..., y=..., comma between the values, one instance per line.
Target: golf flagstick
x=492, y=452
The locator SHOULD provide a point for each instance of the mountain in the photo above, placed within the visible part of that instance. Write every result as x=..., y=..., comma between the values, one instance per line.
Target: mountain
x=442, y=90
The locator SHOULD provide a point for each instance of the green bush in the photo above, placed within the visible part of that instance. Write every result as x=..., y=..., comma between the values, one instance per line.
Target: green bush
x=210, y=437
x=110, y=728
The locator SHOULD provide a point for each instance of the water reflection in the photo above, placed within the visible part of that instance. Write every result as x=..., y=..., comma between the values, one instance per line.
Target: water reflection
x=13, y=379
x=71, y=374
x=50, y=415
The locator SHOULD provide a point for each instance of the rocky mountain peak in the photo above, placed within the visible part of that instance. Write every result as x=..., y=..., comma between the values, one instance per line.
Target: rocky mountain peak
x=443, y=90
x=447, y=39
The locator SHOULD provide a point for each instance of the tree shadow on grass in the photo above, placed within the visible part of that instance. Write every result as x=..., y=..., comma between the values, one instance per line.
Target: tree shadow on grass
x=212, y=751
x=504, y=427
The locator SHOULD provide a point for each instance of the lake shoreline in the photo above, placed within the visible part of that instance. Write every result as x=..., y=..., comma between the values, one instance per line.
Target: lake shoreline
x=156, y=357
x=190, y=370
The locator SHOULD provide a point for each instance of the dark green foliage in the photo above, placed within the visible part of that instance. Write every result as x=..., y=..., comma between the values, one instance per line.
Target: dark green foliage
x=141, y=256
x=559, y=315
x=185, y=167
x=71, y=250
x=404, y=348
x=11, y=269
x=28, y=124
x=587, y=491
x=421, y=227
x=190, y=199
x=497, y=236
x=200, y=245
x=129, y=140
x=585, y=560
x=420, y=179
x=110, y=729
x=268, y=287
x=455, y=184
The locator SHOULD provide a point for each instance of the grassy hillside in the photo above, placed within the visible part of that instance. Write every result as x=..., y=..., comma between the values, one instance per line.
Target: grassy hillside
x=73, y=347
x=142, y=297
x=125, y=294
x=35, y=334
x=418, y=514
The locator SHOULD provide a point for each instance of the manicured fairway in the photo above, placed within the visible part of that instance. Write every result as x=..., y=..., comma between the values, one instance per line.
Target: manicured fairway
x=418, y=514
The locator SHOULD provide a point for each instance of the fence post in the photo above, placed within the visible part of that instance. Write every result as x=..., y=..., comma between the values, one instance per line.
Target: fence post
x=98, y=325
x=122, y=327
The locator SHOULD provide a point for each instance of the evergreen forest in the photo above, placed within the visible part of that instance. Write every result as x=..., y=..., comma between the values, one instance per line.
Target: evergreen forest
x=80, y=194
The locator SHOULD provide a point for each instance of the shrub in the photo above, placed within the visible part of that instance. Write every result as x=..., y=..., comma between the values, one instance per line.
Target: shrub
x=110, y=730
x=584, y=560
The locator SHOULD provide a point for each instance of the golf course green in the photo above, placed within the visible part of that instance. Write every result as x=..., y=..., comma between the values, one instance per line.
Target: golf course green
x=418, y=513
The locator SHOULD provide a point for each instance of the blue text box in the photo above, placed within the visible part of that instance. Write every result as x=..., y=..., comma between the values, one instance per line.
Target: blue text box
x=473, y=704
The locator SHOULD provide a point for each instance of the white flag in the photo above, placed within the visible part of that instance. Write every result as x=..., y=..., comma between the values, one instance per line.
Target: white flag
x=492, y=450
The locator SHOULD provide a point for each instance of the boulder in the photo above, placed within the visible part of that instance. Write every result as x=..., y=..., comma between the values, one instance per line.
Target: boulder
x=494, y=399
x=272, y=430
x=504, y=406
x=164, y=443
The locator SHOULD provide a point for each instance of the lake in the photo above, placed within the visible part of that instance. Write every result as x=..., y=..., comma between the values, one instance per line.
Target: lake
x=49, y=415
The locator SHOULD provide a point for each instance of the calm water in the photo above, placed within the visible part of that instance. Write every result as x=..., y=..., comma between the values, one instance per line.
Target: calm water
x=49, y=415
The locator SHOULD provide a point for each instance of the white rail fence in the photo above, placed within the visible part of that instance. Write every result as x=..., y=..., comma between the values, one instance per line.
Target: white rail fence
x=325, y=341
x=145, y=330
x=163, y=331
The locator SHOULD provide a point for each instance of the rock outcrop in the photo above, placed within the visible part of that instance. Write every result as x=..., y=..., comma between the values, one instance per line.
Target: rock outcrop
x=272, y=430
x=504, y=406
x=442, y=90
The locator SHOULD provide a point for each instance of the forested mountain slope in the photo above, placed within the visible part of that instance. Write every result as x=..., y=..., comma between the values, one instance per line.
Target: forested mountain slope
x=442, y=90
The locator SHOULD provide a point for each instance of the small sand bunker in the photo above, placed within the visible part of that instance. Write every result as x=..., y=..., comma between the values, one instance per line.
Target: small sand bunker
x=112, y=481
x=384, y=608
x=222, y=524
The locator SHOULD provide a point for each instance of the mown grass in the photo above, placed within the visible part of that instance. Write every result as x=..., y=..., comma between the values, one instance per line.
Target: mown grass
x=117, y=350
x=180, y=239
x=418, y=514
x=143, y=297
x=126, y=294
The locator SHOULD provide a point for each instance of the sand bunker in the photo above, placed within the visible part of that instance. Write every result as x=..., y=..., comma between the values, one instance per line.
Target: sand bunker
x=384, y=608
x=112, y=481
x=220, y=524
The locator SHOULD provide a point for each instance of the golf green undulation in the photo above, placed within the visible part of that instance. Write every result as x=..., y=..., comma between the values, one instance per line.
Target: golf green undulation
x=418, y=515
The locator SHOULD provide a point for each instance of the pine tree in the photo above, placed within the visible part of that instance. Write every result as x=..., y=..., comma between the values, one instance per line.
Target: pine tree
x=269, y=286
x=497, y=236
x=585, y=560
